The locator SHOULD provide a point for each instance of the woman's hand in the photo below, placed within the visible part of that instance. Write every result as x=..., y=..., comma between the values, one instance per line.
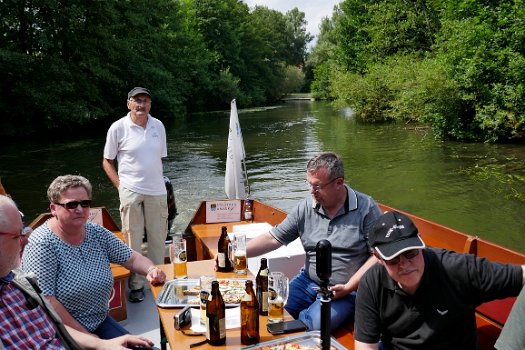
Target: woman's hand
x=138, y=263
x=155, y=275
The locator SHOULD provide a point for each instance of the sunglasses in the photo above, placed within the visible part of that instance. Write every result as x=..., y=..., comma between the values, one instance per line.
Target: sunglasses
x=74, y=204
x=409, y=254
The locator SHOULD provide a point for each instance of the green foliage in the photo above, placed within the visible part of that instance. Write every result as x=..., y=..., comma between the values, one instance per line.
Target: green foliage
x=294, y=80
x=321, y=85
x=297, y=37
x=66, y=64
x=321, y=60
x=350, y=35
x=486, y=48
x=399, y=26
x=457, y=66
x=368, y=95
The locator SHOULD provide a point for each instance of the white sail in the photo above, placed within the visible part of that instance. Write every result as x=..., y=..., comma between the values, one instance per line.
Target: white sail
x=235, y=177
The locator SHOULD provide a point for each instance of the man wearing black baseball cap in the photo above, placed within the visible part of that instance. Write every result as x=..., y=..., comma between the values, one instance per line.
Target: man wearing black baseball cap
x=138, y=143
x=424, y=298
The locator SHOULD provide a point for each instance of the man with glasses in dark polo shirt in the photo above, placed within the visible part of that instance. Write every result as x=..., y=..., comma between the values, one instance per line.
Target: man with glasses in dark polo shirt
x=424, y=298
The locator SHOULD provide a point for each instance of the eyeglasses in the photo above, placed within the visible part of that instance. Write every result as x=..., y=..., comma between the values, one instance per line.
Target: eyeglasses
x=86, y=203
x=409, y=254
x=21, y=235
x=318, y=188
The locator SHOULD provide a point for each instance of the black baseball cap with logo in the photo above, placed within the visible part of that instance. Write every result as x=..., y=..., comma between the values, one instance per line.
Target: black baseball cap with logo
x=394, y=233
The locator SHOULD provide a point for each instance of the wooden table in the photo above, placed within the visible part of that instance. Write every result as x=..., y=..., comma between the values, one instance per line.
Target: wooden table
x=176, y=339
x=207, y=237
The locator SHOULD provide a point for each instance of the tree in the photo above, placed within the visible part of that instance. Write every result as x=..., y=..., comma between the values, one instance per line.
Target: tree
x=457, y=66
x=69, y=63
x=298, y=37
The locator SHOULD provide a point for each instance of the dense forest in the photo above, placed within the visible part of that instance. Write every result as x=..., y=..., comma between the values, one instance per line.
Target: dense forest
x=65, y=64
x=456, y=66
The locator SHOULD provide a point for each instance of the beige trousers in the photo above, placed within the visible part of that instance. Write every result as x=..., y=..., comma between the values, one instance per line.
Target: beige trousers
x=139, y=214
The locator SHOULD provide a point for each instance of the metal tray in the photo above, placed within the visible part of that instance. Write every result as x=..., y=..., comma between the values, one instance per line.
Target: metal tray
x=174, y=293
x=309, y=339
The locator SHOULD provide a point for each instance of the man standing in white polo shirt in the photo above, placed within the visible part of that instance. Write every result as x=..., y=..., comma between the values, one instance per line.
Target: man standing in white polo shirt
x=138, y=143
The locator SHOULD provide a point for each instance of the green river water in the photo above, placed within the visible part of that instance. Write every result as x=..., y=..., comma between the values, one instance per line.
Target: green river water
x=475, y=188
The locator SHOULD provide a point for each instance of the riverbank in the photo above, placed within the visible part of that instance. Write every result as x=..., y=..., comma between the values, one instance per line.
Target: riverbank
x=298, y=97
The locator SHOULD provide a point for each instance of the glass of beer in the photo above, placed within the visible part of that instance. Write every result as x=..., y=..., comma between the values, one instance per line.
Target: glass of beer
x=178, y=258
x=277, y=296
x=238, y=254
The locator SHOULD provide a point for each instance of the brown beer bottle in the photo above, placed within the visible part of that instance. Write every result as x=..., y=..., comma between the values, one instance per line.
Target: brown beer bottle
x=249, y=316
x=223, y=260
x=261, y=281
x=215, y=317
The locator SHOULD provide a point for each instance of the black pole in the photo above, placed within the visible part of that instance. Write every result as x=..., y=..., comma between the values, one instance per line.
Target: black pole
x=323, y=253
x=326, y=300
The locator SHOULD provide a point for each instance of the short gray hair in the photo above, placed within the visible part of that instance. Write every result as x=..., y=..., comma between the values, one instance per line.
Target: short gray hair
x=63, y=183
x=4, y=203
x=329, y=161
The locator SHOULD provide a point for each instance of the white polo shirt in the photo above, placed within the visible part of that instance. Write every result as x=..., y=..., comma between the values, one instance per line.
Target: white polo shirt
x=139, y=152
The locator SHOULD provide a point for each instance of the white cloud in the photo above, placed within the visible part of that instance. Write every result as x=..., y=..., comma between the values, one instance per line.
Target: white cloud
x=314, y=10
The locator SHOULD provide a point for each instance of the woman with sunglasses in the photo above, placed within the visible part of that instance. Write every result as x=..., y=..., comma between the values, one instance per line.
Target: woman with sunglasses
x=71, y=258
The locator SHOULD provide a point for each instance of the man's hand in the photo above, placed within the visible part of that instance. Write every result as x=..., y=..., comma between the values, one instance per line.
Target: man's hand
x=340, y=290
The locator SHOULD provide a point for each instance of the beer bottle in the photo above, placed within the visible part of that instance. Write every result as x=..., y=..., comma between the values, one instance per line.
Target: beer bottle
x=215, y=317
x=249, y=316
x=224, y=263
x=248, y=210
x=261, y=281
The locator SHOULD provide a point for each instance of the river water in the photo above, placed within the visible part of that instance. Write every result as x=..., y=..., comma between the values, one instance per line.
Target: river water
x=475, y=188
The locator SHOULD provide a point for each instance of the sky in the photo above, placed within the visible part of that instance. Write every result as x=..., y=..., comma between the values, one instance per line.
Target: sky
x=314, y=10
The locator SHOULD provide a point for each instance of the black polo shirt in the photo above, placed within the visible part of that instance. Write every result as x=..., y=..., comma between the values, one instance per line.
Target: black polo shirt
x=440, y=315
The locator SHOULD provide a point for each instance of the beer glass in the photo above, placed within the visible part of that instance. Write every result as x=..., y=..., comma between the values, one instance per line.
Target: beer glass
x=277, y=296
x=238, y=254
x=178, y=258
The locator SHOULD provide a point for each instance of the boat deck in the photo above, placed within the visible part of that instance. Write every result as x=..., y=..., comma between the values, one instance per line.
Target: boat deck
x=143, y=319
